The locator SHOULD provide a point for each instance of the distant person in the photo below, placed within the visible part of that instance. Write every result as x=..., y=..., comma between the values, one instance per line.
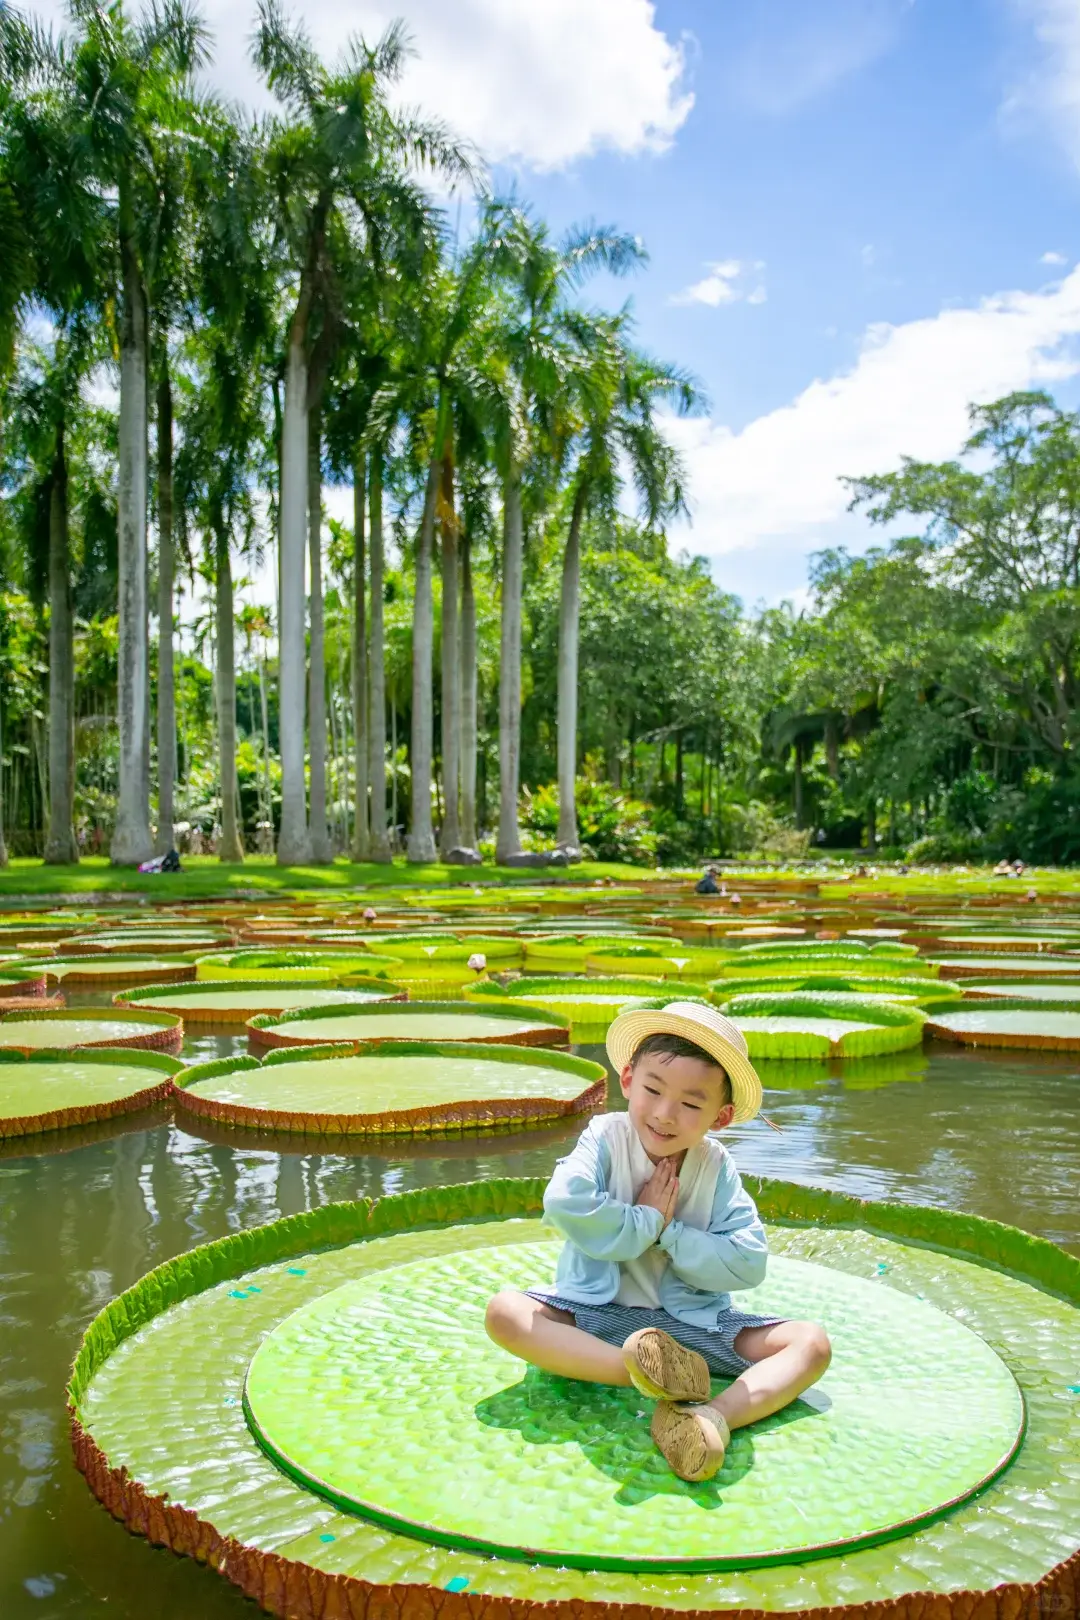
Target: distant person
x=707, y=883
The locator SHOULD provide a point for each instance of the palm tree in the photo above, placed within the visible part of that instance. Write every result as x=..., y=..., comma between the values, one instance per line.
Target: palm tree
x=540, y=275
x=614, y=391
x=131, y=109
x=342, y=147
x=379, y=838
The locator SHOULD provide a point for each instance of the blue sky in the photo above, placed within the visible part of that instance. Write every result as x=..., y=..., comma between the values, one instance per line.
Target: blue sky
x=861, y=215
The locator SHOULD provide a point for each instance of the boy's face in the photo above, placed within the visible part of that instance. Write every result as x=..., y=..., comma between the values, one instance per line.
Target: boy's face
x=673, y=1102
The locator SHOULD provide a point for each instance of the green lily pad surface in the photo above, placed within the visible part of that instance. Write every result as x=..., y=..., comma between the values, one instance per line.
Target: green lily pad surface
x=1019, y=990
x=1013, y=967
x=236, y=1003
x=50, y=1090
x=66, y=1029
x=93, y=970
x=1010, y=1026
x=182, y=1349
x=402, y=1086
x=386, y=1396
x=404, y=1022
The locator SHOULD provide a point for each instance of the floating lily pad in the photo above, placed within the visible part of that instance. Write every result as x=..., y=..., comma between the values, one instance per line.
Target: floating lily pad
x=445, y=947
x=31, y=1030
x=674, y=962
x=296, y=967
x=22, y=981
x=1009, y=1026
x=400, y=1086
x=173, y=941
x=100, y=971
x=48, y=1090
x=564, y=951
x=355, y=1397
x=1009, y=967
x=589, y=1002
x=425, y=1021
x=819, y=1024
x=919, y=992
x=179, y=1344
x=1023, y=990
x=236, y=1003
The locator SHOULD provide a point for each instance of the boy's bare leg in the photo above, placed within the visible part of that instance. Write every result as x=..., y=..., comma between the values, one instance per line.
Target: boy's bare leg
x=787, y=1358
x=548, y=1339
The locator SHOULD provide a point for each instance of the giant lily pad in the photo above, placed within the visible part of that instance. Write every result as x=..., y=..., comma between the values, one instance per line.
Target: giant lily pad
x=180, y=1344
x=1009, y=967
x=399, y=1086
x=666, y=962
x=1024, y=991
x=235, y=1003
x=425, y=1021
x=590, y=1003
x=440, y=948
x=1037, y=1027
x=100, y=971
x=820, y=1024
x=920, y=992
x=559, y=952
x=172, y=941
x=35, y=1031
x=296, y=967
x=47, y=1090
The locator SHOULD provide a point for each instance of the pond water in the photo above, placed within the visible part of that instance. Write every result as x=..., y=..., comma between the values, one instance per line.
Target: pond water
x=997, y=1134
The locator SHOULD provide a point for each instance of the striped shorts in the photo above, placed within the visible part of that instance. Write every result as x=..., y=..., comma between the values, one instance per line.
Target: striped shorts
x=614, y=1324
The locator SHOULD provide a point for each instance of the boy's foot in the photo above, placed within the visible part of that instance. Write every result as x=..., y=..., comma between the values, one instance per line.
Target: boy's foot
x=663, y=1369
x=693, y=1440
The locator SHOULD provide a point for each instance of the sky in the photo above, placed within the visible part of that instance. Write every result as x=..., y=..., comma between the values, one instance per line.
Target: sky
x=861, y=217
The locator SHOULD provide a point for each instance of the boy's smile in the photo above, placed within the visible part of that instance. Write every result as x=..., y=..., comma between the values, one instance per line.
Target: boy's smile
x=673, y=1102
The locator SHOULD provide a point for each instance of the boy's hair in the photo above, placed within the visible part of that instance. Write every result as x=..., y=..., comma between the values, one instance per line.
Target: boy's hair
x=677, y=1046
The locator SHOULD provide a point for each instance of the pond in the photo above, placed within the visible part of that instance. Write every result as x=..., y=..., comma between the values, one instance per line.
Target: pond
x=996, y=1134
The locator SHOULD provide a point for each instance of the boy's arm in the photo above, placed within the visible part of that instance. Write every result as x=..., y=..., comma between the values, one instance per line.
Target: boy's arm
x=733, y=1252
x=578, y=1205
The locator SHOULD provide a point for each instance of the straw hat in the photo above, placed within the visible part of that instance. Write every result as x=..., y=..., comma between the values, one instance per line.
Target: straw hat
x=703, y=1025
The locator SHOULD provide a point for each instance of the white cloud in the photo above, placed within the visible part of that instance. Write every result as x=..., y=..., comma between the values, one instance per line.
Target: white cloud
x=1052, y=258
x=774, y=485
x=1052, y=91
x=533, y=84
x=724, y=284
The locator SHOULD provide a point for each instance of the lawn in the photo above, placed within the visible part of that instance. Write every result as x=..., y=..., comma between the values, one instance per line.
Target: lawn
x=206, y=878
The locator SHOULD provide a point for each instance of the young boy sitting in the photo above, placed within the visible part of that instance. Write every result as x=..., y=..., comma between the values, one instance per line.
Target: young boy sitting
x=659, y=1233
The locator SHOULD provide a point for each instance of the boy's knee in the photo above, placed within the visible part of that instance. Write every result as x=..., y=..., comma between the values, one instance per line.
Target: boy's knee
x=504, y=1319
x=816, y=1346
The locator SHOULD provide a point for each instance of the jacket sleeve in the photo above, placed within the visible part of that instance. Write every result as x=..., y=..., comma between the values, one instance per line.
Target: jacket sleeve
x=577, y=1204
x=732, y=1253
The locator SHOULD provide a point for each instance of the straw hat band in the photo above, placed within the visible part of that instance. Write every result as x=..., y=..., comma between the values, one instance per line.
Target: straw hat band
x=705, y=1027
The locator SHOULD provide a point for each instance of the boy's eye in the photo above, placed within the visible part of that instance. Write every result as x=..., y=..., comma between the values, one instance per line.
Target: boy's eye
x=693, y=1107
x=652, y=1091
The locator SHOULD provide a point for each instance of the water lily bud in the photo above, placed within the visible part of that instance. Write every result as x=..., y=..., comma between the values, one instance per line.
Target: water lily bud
x=369, y=915
x=478, y=962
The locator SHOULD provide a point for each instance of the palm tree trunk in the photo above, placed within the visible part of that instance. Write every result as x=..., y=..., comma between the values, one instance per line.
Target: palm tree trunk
x=361, y=840
x=231, y=847
x=60, y=846
x=566, y=703
x=294, y=839
x=420, y=847
x=468, y=696
x=166, y=693
x=508, y=840
x=268, y=811
x=3, y=841
x=450, y=832
x=131, y=841
x=321, y=848
x=379, y=848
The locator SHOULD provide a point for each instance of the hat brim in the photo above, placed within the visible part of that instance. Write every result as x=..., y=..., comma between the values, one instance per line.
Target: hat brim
x=636, y=1024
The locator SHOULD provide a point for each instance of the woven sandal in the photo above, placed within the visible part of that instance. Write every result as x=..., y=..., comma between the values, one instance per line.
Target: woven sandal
x=692, y=1440
x=663, y=1369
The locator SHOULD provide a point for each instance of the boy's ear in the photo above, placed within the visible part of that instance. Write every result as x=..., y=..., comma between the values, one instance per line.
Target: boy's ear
x=625, y=1079
x=723, y=1118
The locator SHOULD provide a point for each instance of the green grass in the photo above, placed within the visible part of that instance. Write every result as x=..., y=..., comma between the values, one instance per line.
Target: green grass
x=206, y=878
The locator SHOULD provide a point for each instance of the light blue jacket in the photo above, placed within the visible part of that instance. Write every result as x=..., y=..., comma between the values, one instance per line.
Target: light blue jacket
x=705, y=1266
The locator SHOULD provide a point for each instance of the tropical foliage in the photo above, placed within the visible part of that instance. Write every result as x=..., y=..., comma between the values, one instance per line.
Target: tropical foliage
x=206, y=321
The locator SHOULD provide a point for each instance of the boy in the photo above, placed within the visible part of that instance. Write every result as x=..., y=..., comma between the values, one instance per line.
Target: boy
x=659, y=1232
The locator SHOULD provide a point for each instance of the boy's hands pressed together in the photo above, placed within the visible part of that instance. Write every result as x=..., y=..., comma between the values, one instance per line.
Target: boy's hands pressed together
x=661, y=1191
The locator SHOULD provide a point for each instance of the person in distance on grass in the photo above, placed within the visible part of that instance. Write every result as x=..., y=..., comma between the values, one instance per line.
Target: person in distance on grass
x=659, y=1233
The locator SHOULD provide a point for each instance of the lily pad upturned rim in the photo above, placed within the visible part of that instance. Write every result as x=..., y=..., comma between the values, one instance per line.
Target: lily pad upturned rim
x=168, y=1037
x=899, y=1025
x=101, y=970
x=327, y=967
x=265, y=1028
x=1015, y=1040
x=83, y=1113
x=282, y=1585
x=240, y=1015
x=30, y=979
x=922, y=991
x=463, y=1113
